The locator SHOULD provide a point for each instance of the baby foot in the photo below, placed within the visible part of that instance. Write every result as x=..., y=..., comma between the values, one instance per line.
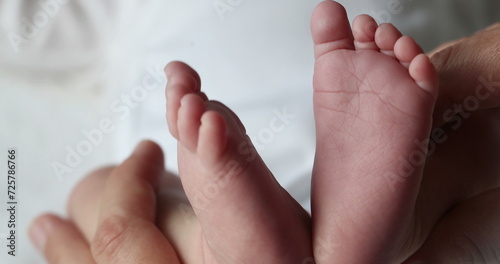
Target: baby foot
x=374, y=93
x=244, y=214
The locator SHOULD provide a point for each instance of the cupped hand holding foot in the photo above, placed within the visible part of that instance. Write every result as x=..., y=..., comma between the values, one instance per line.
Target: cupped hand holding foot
x=122, y=220
x=465, y=166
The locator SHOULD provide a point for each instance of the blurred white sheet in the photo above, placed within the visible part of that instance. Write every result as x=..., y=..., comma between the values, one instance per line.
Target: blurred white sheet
x=67, y=68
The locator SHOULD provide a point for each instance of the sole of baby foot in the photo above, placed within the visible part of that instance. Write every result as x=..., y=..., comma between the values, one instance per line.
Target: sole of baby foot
x=374, y=94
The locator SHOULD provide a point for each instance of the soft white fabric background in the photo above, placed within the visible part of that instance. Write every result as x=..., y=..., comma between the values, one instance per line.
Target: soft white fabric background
x=74, y=69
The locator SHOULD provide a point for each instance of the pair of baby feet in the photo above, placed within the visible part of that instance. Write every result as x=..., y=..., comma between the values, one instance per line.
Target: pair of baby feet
x=374, y=94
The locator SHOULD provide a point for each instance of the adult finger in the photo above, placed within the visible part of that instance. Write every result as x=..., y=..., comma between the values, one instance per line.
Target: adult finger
x=85, y=201
x=60, y=241
x=468, y=234
x=126, y=231
x=175, y=217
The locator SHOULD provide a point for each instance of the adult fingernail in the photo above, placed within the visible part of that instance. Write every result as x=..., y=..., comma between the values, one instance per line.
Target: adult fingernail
x=40, y=231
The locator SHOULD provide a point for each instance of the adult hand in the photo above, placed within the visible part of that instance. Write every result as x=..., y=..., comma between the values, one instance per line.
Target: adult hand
x=125, y=230
x=466, y=164
x=174, y=216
